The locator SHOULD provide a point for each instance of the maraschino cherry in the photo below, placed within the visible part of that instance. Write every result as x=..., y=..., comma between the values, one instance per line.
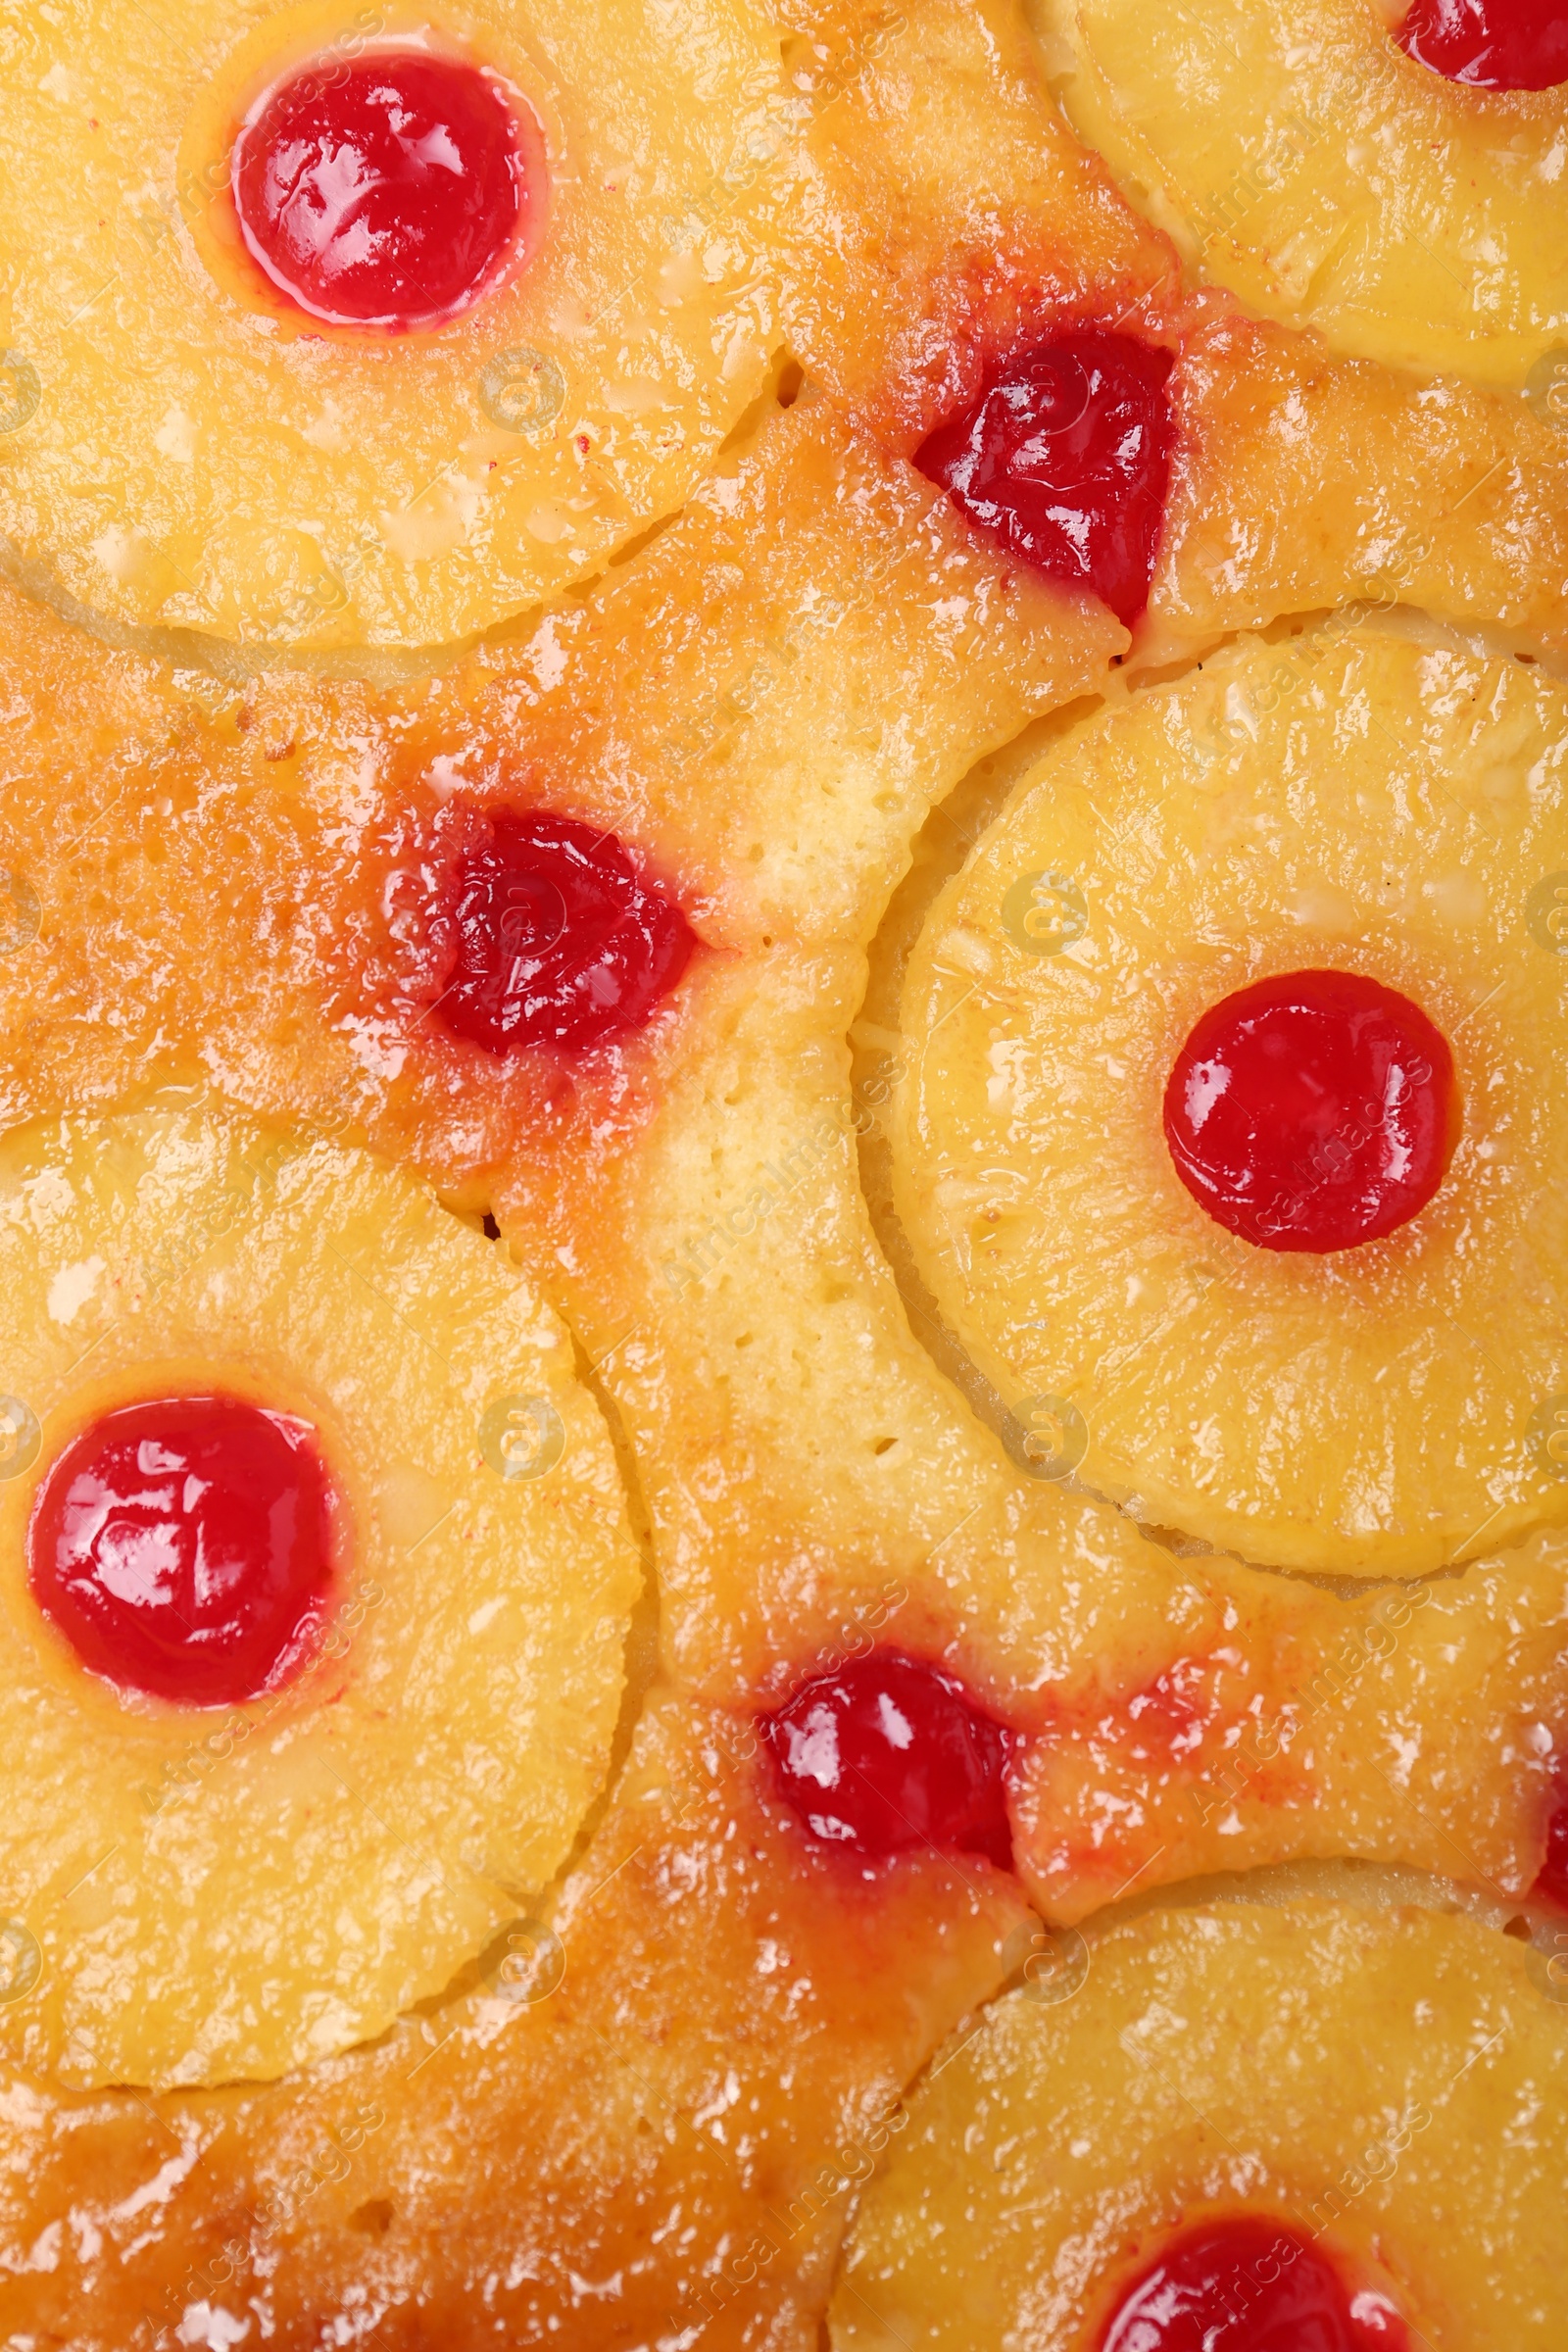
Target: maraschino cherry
x=1490, y=44
x=391, y=191
x=559, y=940
x=184, y=1547
x=1554, y=1879
x=888, y=1753
x=1246, y=2284
x=1065, y=457
x=1312, y=1112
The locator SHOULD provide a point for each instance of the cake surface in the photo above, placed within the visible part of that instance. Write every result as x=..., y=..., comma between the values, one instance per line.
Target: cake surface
x=783, y=1402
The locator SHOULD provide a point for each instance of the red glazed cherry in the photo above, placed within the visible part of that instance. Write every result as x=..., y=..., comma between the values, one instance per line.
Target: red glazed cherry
x=183, y=1548
x=888, y=1753
x=1554, y=1880
x=391, y=191
x=560, y=942
x=1315, y=1111
x=1065, y=456
x=1248, y=2285
x=1490, y=44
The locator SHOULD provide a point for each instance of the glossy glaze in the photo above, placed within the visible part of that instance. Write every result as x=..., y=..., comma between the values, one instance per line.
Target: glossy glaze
x=1300, y=2061
x=1329, y=183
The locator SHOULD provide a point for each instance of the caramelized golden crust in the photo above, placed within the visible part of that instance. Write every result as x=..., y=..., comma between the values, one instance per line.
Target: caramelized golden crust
x=821, y=645
x=944, y=214
x=812, y=1478
x=644, y=2115
x=1303, y=482
x=654, y=2116
x=1414, y=1726
x=940, y=210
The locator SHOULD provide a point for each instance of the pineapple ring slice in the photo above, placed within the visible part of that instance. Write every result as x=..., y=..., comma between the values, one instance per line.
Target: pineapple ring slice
x=697, y=1196
x=1368, y=797
x=190, y=454
x=1295, y=155
x=1390, y=2084
x=236, y=1891
x=697, y=1961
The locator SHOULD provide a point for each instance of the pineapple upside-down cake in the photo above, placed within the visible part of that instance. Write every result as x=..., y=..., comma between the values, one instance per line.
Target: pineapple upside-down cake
x=783, y=1234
